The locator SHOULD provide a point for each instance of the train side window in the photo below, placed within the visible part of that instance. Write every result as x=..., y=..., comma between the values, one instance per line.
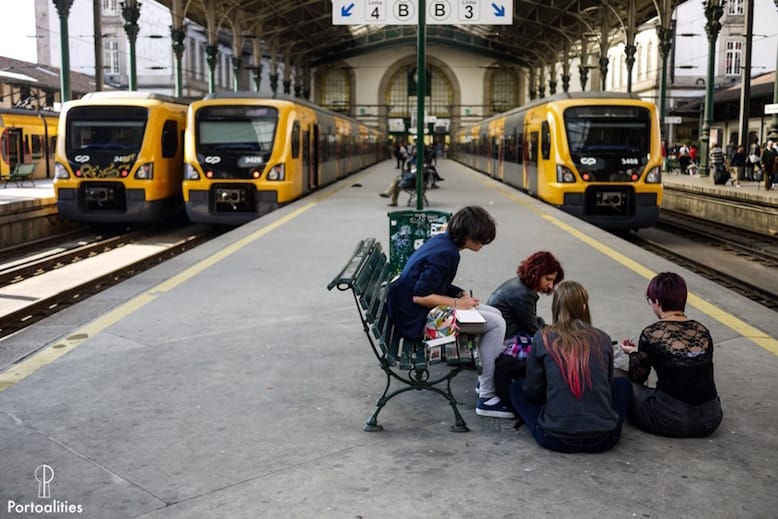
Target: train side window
x=520, y=149
x=532, y=146
x=169, y=139
x=545, y=140
x=296, y=139
x=37, y=148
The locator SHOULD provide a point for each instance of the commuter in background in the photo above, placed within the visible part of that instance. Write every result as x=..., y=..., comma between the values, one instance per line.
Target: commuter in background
x=570, y=400
x=399, y=150
x=718, y=169
x=683, y=158
x=517, y=298
x=738, y=165
x=693, y=156
x=768, y=164
x=426, y=282
x=752, y=161
x=684, y=402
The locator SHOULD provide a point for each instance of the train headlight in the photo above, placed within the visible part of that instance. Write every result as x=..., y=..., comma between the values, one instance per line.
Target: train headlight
x=190, y=172
x=564, y=174
x=60, y=171
x=145, y=171
x=276, y=173
x=654, y=176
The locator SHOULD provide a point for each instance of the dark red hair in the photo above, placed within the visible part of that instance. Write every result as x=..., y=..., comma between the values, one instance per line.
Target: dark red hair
x=669, y=290
x=539, y=264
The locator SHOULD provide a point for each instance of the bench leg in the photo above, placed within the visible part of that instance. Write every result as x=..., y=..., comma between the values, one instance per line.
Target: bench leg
x=372, y=423
x=418, y=380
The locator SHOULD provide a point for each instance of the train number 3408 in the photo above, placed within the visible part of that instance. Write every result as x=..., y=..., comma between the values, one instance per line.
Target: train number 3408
x=629, y=162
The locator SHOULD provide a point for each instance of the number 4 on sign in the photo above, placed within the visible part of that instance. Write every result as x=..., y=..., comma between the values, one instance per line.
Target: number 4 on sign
x=376, y=14
x=375, y=11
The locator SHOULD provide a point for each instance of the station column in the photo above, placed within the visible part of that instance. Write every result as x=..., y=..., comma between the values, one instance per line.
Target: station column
x=714, y=9
x=773, y=135
x=63, y=10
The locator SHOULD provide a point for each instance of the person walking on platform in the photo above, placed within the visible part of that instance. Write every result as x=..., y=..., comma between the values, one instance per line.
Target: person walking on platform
x=738, y=165
x=718, y=169
x=426, y=282
x=399, y=149
x=570, y=400
x=768, y=160
x=684, y=402
x=752, y=161
x=683, y=158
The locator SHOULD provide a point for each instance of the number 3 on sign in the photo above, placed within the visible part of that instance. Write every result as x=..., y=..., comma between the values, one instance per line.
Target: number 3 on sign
x=468, y=10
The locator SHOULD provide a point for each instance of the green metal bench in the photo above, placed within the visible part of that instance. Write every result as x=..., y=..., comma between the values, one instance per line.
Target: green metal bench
x=672, y=165
x=367, y=275
x=19, y=174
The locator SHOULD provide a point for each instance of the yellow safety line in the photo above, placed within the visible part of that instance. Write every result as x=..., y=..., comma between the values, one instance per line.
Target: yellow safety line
x=49, y=354
x=759, y=337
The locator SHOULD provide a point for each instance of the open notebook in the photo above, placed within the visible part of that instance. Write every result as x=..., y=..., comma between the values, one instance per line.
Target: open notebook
x=471, y=316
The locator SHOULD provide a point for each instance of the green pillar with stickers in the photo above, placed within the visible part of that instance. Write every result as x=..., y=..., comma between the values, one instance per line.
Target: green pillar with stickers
x=409, y=229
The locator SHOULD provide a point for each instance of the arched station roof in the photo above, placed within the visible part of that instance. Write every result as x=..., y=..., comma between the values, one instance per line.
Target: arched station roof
x=540, y=31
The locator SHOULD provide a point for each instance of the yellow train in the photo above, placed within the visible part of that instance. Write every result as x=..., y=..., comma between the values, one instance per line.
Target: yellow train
x=28, y=137
x=595, y=155
x=120, y=158
x=246, y=155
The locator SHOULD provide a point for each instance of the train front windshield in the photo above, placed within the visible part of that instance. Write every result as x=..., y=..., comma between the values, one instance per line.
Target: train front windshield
x=234, y=141
x=609, y=143
x=105, y=130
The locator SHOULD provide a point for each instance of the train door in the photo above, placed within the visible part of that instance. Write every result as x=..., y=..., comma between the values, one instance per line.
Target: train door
x=496, y=158
x=531, y=163
x=306, y=166
x=315, y=170
x=15, y=147
x=483, y=152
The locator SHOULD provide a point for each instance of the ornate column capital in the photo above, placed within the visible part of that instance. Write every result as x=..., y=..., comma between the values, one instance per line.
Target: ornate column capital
x=714, y=10
x=131, y=13
x=177, y=36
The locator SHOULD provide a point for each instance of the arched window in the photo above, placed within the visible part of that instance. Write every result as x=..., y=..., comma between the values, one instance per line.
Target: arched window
x=504, y=90
x=401, y=104
x=335, y=89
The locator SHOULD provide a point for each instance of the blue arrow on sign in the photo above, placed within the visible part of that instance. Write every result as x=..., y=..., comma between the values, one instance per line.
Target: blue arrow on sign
x=499, y=10
x=346, y=9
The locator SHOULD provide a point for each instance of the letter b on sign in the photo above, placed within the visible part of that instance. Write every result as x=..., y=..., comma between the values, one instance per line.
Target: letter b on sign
x=439, y=10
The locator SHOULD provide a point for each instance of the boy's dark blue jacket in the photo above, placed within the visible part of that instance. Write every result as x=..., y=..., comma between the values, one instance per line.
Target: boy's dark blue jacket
x=429, y=270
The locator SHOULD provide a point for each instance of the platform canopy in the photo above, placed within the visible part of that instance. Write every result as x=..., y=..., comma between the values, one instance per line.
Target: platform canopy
x=538, y=34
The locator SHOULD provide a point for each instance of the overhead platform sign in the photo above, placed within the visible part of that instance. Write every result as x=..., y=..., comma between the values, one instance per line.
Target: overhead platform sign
x=406, y=12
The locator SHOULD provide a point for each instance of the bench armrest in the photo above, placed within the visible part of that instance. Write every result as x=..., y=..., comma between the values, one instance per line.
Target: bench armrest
x=346, y=278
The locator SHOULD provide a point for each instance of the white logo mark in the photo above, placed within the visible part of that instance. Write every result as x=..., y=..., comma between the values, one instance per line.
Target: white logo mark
x=44, y=475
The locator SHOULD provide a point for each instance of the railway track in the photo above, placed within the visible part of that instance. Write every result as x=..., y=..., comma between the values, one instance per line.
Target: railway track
x=43, y=284
x=744, y=262
x=50, y=255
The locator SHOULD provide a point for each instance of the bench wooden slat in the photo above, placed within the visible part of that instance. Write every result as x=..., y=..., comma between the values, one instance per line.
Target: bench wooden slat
x=369, y=271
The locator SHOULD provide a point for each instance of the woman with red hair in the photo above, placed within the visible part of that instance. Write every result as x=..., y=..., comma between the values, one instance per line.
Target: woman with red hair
x=517, y=298
x=570, y=400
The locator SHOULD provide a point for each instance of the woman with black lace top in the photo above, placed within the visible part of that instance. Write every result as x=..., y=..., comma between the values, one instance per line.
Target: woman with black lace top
x=684, y=402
